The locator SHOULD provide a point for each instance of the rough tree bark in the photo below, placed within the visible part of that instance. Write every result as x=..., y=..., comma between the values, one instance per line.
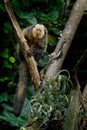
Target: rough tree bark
x=84, y=104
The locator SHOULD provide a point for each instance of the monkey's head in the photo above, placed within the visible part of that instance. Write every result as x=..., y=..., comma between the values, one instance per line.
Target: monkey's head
x=38, y=31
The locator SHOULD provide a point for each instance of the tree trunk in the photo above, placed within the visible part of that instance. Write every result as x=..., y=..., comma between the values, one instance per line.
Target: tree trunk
x=66, y=39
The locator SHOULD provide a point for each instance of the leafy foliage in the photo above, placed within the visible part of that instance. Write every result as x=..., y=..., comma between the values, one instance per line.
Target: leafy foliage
x=7, y=113
x=53, y=101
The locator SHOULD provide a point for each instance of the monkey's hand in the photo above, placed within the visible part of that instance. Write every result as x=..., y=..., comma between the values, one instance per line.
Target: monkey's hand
x=38, y=51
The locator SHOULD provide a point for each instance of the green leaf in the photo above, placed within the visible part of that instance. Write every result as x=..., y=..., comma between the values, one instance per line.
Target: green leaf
x=4, y=53
x=2, y=7
x=12, y=59
x=7, y=65
x=7, y=28
x=7, y=107
x=16, y=4
x=4, y=79
x=44, y=59
x=26, y=2
x=29, y=17
x=8, y=116
x=52, y=40
x=32, y=20
x=25, y=110
x=3, y=97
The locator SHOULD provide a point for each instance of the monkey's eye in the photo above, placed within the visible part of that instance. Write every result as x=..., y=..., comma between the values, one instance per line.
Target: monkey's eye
x=39, y=30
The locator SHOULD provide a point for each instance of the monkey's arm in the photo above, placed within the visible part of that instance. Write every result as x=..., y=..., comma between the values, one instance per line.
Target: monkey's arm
x=28, y=35
x=21, y=89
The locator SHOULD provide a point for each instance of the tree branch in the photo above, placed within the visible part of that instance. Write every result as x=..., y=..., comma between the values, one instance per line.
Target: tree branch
x=76, y=68
x=84, y=98
x=64, y=43
x=24, y=46
x=79, y=62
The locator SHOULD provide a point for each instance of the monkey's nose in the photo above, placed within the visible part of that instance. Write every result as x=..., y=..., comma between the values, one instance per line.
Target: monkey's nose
x=38, y=32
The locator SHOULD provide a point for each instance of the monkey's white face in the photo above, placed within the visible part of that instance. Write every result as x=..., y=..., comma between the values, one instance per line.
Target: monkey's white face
x=38, y=31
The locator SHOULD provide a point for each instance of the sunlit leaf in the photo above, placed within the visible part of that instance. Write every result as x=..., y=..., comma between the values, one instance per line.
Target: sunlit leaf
x=12, y=59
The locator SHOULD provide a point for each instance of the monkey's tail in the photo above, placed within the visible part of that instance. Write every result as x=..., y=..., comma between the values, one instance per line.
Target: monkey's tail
x=21, y=89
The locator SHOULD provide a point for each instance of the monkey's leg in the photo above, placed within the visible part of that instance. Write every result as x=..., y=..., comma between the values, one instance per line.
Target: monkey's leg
x=21, y=89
